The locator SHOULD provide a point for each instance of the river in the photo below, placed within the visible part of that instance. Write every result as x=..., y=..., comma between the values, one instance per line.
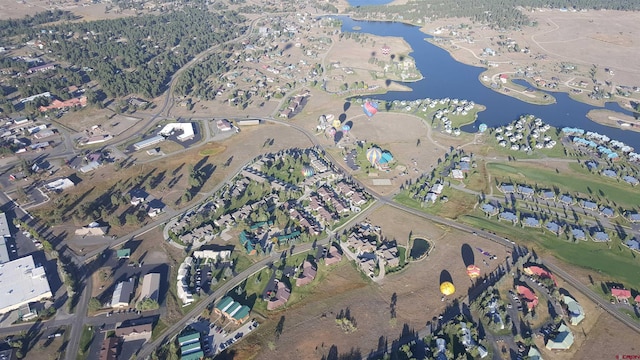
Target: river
x=446, y=77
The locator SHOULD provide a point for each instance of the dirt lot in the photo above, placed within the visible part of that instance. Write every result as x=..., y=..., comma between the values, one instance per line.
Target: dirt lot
x=309, y=334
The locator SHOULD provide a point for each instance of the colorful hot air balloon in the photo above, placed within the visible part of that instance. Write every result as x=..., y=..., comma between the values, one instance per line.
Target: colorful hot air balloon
x=373, y=155
x=346, y=128
x=336, y=124
x=447, y=288
x=331, y=131
x=473, y=271
x=482, y=128
x=307, y=171
x=370, y=108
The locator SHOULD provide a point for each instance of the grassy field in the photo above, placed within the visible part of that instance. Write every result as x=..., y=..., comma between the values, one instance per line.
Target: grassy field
x=619, y=193
x=459, y=203
x=158, y=329
x=614, y=262
x=85, y=342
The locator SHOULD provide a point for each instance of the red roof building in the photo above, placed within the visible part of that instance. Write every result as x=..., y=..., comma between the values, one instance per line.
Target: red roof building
x=621, y=294
x=529, y=296
x=637, y=299
x=540, y=272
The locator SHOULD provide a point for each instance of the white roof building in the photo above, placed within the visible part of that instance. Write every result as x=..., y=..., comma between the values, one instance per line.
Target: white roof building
x=187, y=130
x=21, y=282
x=4, y=234
x=59, y=185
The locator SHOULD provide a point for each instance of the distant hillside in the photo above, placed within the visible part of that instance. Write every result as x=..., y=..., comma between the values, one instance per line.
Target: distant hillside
x=496, y=13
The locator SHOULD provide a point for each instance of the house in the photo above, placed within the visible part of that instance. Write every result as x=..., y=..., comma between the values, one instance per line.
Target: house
x=631, y=180
x=607, y=212
x=547, y=195
x=131, y=332
x=281, y=297
x=109, y=349
x=553, y=227
x=509, y=216
x=150, y=287
x=600, y=236
x=539, y=272
x=589, y=205
x=566, y=199
x=489, y=209
x=308, y=274
x=563, y=339
x=534, y=353
x=138, y=196
x=620, y=294
x=574, y=310
x=507, y=188
x=92, y=231
x=232, y=310
x=457, y=174
x=525, y=191
x=333, y=256
x=529, y=296
x=156, y=207
x=530, y=221
x=578, y=234
x=633, y=244
x=633, y=217
x=122, y=294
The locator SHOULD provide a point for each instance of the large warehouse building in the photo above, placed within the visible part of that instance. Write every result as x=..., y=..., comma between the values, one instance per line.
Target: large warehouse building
x=21, y=282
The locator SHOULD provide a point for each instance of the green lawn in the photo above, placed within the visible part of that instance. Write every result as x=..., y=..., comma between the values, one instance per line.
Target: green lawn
x=85, y=342
x=158, y=329
x=620, y=193
x=621, y=266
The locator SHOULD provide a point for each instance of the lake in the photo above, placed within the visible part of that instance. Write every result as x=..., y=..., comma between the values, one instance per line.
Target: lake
x=446, y=77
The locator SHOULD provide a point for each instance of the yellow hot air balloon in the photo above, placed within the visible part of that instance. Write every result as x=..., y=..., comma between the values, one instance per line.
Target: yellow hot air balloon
x=473, y=271
x=447, y=288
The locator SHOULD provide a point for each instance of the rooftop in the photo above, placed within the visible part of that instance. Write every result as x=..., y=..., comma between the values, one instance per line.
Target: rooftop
x=21, y=282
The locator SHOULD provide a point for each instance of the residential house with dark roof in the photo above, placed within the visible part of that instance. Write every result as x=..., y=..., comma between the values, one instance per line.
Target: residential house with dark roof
x=553, y=227
x=232, y=310
x=547, y=195
x=578, y=234
x=607, y=212
x=633, y=217
x=110, y=348
x=566, y=199
x=633, y=244
x=530, y=221
x=507, y=188
x=525, y=191
x=600, y=236
x=631, y=180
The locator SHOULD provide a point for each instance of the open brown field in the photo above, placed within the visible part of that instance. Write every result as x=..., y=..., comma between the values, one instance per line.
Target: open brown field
x=309, y=328
x=87, y=10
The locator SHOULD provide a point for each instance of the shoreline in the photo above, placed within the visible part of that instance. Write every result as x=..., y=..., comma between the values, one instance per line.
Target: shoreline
x=614, y=119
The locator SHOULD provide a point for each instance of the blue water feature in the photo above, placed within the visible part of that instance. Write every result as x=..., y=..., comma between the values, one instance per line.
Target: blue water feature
x=446, y=77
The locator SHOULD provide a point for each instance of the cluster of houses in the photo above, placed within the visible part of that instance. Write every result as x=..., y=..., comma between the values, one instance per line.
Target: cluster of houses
x=461, y=168
x=452, y=107
x=604, y=146
x=328, y=196
x=371, y=251
x=295, y=104
x=22, y=134
x=525, y=134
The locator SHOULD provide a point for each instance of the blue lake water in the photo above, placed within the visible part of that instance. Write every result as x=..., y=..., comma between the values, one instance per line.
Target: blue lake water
x=446, y=77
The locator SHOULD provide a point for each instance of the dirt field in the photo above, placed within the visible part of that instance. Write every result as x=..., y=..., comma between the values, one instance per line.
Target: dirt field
x=614, y=119
x=88, y=11
x=307, y=334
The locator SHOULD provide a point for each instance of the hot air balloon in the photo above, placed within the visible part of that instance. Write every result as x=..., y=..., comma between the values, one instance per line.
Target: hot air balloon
x=482, y=128
x=336, y=124
x=447, y=288
x=473, y=271
x=346, y=128
x=373, y=155
x=370, y=108
x=307, y=171
x=331, y=131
